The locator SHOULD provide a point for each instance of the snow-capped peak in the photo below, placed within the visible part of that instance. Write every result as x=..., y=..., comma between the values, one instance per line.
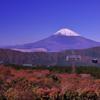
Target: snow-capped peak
x=66, y=32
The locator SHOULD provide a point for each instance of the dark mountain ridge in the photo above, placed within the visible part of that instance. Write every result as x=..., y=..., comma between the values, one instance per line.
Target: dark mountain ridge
x=49, y=58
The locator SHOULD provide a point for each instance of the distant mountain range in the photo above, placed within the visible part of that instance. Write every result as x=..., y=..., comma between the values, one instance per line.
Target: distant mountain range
x=63, y=39
x=53, y=50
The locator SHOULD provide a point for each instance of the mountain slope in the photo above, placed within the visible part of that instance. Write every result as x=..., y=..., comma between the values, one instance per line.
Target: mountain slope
x=64, y=39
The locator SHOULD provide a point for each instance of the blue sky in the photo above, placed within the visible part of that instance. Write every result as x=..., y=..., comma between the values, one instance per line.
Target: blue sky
x=25, y=21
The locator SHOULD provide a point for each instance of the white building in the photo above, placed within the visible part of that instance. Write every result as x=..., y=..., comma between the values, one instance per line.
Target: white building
x=73, y=57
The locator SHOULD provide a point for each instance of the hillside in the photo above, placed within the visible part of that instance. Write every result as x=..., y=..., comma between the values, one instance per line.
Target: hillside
x=37, y=84
x=51, y=58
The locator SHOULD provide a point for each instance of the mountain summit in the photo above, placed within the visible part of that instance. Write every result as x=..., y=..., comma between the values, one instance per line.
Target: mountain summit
x=63, y=39
x=66, y=32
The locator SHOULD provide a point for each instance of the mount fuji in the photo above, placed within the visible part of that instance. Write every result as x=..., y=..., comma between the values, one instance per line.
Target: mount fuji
x=64, y=39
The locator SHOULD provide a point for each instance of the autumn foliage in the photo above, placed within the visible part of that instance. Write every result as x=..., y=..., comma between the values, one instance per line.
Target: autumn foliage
x=28, y=84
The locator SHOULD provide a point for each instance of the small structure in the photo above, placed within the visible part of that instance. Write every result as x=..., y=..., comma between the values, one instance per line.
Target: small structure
x=27, y=65
x=95, y=60
x=73, y=57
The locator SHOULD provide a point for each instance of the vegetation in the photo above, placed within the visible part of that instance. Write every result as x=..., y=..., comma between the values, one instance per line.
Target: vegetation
x=49, y=83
